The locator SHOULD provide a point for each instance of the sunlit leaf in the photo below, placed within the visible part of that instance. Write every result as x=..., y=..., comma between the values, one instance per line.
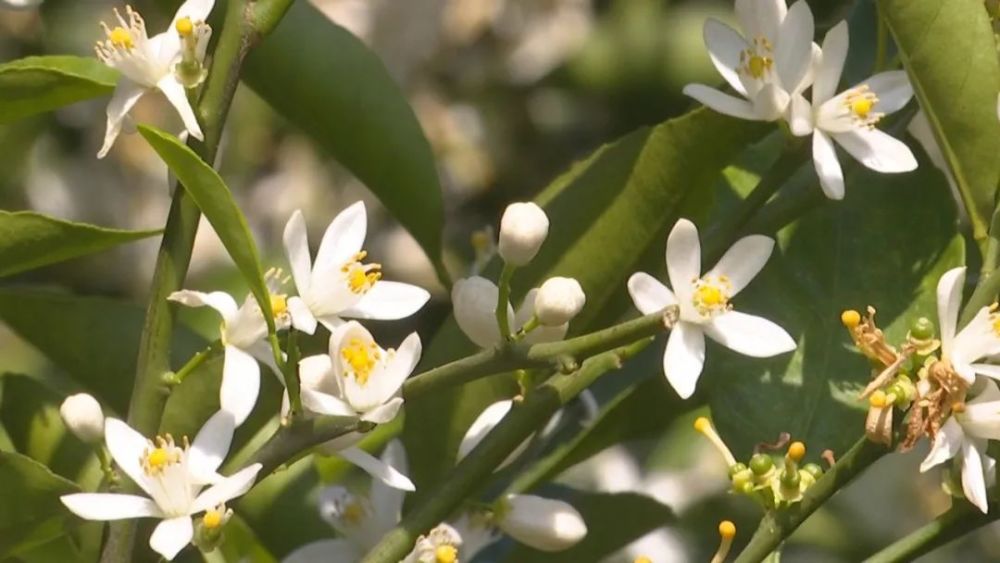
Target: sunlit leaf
x=30, y=511
x=37, y=84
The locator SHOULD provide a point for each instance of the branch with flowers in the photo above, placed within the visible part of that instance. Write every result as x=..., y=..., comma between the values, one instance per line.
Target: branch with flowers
x=520, y=372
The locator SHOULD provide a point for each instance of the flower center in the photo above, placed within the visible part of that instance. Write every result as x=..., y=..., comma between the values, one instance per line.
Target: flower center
x=161, y=455
x=859, y=103
x=757, y=61
x=212, y=519
x=279, y=304
x=121, y=38
x=360, y=358
x=711, y=295
x=184, y=27
x=353, y=513
x=446, y=554
x=361, y=277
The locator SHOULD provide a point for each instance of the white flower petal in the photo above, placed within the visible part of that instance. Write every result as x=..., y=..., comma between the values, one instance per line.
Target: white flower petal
x=683, y=259
x=342, y=239
x=725, y=47
x=831, y=176
x=877, y=150
x=107, y=506
x=649, y=294
x=989, y=370
x=296, y=241
x=793, y=47
x=976, y=340
x=386, y=499
x=197, y=10
x=799, y=116
x=325, y=550
x=302, y=318
x=171, y=536
x=949, y=302
x=743, y=261
x=227, y=489
x=385, y=412
x=316, y=373
x=684, y=357
x=973, y=481
x=210, y=447
x=474, y=303
x=322, y=403
x=541, y=523
x=126, y=447
x=771, y=102
x=722, y=102
x=547, y=334
x=240, y=383
x=484, y=423
x=831, y=66
x=177, y=96
x=377, y=468
x=947, y=443
x=218, y=300
x=387, y=300
x=749, y=335
x=892, y=89
x=761, y=17
x=126, y=94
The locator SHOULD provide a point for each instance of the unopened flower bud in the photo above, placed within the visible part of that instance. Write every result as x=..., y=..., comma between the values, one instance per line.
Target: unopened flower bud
x=523, y=229
x=474, y=302
x=558, y=301
x=922, y=328
x=83, y=416
x=544, y=524
x=760, y=464
x=208, y=533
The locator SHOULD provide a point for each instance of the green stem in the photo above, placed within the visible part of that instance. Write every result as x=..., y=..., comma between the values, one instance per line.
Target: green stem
x=523, y=420
x=961, y=519
x=882, y=40
x=561, y=354
x=503, y=301
x=778, y=525
x=298, y=437
x=178, y=377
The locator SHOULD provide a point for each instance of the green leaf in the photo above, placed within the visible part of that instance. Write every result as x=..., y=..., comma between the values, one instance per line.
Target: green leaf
x=92, y=339
x=37, y=84
x=950, y=54
x=885, y=245
x=215, y=200
x=329, y=84
x=609, y=216
x=30, y=240
x=613, y=519
x=30, y=511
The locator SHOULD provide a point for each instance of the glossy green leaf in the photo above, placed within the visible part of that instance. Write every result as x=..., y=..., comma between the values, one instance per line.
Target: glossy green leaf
x=885, y=245
x=613, y=520
x=329, y=84
x=608, y=214
x=37, y=84
x=30, y=511
x=950, y=54
x=94, y=340
x=215, y=200
x=30, y=240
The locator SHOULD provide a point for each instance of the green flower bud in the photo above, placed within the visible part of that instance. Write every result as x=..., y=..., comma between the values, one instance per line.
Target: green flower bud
x=760, y=464
x=922, y=328
x=736, y=468
x=813, y=469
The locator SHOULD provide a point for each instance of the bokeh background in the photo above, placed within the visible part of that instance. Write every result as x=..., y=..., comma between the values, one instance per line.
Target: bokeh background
x=509, y=94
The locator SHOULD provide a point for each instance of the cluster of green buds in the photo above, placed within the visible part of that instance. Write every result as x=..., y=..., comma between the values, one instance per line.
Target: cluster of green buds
x=893, y=384
x=773, y=481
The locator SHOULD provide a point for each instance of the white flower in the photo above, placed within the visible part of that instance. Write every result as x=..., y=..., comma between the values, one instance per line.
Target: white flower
x=339, y=284
x=243, y=333
x=483, y=425
x=360, y=520
x=978, y=339
x=344, y=446
x=849, y=118
x=967, y=433
x=173, y=476
x=704, y=304
x=83, y=416
x=523, y=229
x=358, y=379
x=442, y=544
x=770, y=65
x=148, y=63
x=558, y=301
x=544, y=524
x=475, y=299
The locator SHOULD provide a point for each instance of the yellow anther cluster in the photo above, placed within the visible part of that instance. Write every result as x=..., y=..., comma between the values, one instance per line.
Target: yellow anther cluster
x=360, y=357
x=184, y=27
x=361, y=277
x=996, y=325
x=850, y=318
x=212, y=519
x=860, y=102
x=279, y=305
x=862, y=107
x=642, y=559
x=445, y=554
x=156, y=458
x=353, y=513
x=796, y=451
x=727, y=529
x=711, y=295
x=756, y=61
x=121, y=38
x=878, y=399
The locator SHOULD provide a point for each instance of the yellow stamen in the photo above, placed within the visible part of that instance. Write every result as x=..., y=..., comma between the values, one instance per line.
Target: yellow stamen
x=758, y=65
x=996, y=325
x=446, y=554
x=120, y=37
x=878, y=399
x=727, y=531
x=703, y=425
x=361, y=277
x=709, y=295
x=354, y=513
x=850, y=318
x=184, y=27
x=642, y=559
x=361, y=357
x=279, y=305
x=212, y=519
x=862, y=107
x=158, y=458
x=797, y=451
x=958, y=408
